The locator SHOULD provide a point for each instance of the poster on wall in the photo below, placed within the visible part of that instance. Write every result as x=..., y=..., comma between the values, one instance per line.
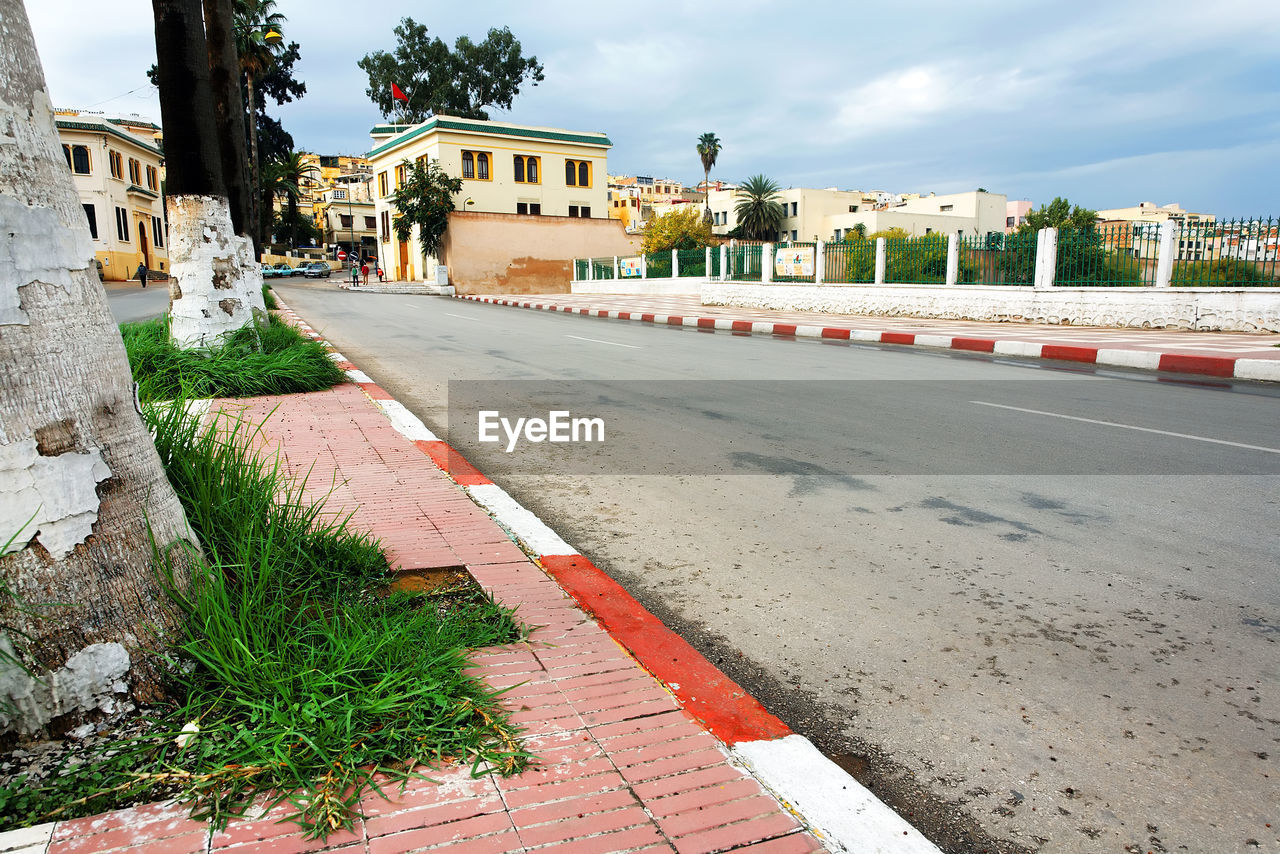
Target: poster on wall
x=630, y=267
x=794, y=262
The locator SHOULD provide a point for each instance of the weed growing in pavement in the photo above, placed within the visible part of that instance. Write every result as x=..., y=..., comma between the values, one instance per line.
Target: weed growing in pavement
x=269, y=298
x=277, y=359
x=300, y=673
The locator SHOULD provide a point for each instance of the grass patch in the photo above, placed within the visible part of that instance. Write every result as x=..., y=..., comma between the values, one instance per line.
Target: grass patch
x=277, y=359
x=269, y=298
x=303, y=673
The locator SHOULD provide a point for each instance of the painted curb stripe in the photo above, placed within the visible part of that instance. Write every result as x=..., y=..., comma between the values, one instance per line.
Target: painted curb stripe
x=531, y=530
x=405, y=422
x=1217, y=366
x=837, y=807
x=452, y=463
x=723, y=706
x=375, y=391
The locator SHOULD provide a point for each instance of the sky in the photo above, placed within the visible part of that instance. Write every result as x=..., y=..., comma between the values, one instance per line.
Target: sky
x=1106, y=103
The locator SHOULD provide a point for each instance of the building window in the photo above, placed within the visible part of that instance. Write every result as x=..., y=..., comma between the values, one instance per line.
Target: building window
x=135, y=172
x=584, y=212
x=531, y=208
x=157, y=232
x=386, y=226
x=945, y=208
x=91, y=214
x=344, y=220
x=526, y=169
x=475, y=165
x=468, y=165
x=117, y=164
x=482, y=166
x=77, y=158
x=853, y=208
x=573, y=210
x=1008, y=222
x=153, y=178
x=370, y=223
x=401, y=175
x=795, y=207
x=577, y=173
x=423, y=161
x=122, y=225
x=793, y=235
x=382, y=185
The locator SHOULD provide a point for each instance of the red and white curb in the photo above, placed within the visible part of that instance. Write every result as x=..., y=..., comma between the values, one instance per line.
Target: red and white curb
x=839, y=810
x=1182, y=363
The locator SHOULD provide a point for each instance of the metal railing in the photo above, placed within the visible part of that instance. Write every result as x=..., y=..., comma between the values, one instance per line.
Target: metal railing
x=852, y=260
x=1230, y=254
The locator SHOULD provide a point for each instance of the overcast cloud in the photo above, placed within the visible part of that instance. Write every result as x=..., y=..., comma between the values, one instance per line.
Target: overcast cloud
x=1107, y=103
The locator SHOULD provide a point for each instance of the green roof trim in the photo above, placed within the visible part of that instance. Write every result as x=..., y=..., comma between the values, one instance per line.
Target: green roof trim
x=134, y=188
x=123, y=122
x=443, y=123
x=110, y=131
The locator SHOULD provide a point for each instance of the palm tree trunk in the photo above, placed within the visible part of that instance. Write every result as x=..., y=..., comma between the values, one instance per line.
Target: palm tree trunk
x=255, y=176
x=293, y=222
x=81, y=486
x=216, y=286
x=228, y=104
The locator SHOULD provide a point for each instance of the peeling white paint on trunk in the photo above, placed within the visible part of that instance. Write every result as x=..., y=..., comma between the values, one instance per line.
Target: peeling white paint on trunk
x=93, y=678
x=217, y=285
x=36, y=247
x=60, y=491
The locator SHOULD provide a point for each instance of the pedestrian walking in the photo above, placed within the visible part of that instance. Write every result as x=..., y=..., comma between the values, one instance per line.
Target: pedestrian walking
x=380, y=276
x=355, y=274
x=364, y=271
x=141, y=273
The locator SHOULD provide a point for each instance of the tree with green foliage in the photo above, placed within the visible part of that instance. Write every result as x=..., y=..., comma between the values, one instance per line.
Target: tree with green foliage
x=758, y=210
x=684, y=228
x=253, y=20
x=439, y=81
x=285, y=176
x=424, y=200
x=1059, y=213
x=708, y=151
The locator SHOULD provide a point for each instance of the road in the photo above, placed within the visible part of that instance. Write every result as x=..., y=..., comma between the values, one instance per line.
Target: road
x=1025, y=628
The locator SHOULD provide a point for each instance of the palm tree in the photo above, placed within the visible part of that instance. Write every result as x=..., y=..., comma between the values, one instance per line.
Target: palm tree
x=708, y=150
x=758, y=210
x=254, y=19
x=285, y=176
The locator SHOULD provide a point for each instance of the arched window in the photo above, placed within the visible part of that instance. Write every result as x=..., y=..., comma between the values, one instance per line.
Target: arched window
x=519, y=168
x=584, y=174
x=532, y=170
x=77, y=158
x=482, y=161
x=468, y=165
x=570, y=173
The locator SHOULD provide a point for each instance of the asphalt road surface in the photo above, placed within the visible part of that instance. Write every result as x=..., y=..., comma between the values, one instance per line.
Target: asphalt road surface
x=1035, y=607
x=134, y=303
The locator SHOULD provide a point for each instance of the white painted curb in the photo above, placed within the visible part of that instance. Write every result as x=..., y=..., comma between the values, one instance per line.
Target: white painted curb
x=843, y=813
x=405, y=422
x=28, y=840
x=530, y=530
x=1258, y=369
x=1129, y=359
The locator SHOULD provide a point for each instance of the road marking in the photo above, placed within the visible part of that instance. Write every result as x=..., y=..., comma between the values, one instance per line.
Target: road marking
x=461, y=317
x=1130, y=427
x=598, y=341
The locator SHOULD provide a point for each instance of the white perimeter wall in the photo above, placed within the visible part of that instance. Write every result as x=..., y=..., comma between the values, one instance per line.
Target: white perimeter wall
x=1236, y=310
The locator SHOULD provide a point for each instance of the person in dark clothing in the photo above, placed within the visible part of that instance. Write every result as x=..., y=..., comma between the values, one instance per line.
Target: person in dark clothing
x=141, y=273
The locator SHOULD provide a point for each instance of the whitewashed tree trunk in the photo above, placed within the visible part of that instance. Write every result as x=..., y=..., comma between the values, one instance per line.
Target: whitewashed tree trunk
x=80, y=480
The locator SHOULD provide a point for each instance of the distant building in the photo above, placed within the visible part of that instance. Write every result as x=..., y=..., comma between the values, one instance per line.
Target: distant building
x=118, y=170
x=505, y=168
x=1015, y=214
x=1132, y=229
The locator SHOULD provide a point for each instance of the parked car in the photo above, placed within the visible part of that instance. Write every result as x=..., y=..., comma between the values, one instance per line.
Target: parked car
x=317, y=269
x=268, y=271
x=284, y=271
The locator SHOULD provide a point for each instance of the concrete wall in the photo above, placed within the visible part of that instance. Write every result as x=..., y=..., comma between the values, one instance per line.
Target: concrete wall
x=1236, y=310
x=490, y=253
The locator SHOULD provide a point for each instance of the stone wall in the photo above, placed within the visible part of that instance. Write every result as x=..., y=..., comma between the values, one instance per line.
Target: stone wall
x=1235, y=310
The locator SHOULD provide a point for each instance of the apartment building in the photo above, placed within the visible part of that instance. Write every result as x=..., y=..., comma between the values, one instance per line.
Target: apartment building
x=505, y=169
x=118, y=170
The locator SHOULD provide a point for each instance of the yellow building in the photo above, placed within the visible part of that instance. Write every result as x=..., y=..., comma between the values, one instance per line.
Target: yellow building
x=505, y=168
x=118, y=170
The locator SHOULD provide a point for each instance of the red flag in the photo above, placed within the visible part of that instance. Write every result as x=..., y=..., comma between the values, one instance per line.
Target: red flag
x=397, y=94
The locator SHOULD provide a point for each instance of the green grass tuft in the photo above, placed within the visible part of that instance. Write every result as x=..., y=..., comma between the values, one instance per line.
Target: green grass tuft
x=269, y=298
x=276, y=359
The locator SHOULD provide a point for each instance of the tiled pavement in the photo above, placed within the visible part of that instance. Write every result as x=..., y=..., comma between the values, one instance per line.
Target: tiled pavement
x=1242, y=345
x=621, y=766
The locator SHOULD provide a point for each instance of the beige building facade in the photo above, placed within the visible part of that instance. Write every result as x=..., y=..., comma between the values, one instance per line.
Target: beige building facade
x=505, y=168
x=118, y=170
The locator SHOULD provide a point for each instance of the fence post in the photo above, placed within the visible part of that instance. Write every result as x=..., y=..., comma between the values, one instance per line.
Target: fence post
x=615, y=268
x=766, y=262
x=1166, y=252
x=819, y=262
x=1046, y=258
x=953, y=258
x=675, y=264
x=880, y=260
x=706, y=263
x=575, y=269
x=591, y=269
x=644, y=266
x=724, y=262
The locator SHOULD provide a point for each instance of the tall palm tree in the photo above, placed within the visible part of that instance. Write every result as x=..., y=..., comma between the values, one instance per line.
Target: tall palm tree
x=254, y=19
x=708, y=150
x=758, y=210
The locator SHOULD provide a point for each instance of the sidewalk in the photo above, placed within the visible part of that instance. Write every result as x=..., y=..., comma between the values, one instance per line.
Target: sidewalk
x=627, y=761
x=1240, y=355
